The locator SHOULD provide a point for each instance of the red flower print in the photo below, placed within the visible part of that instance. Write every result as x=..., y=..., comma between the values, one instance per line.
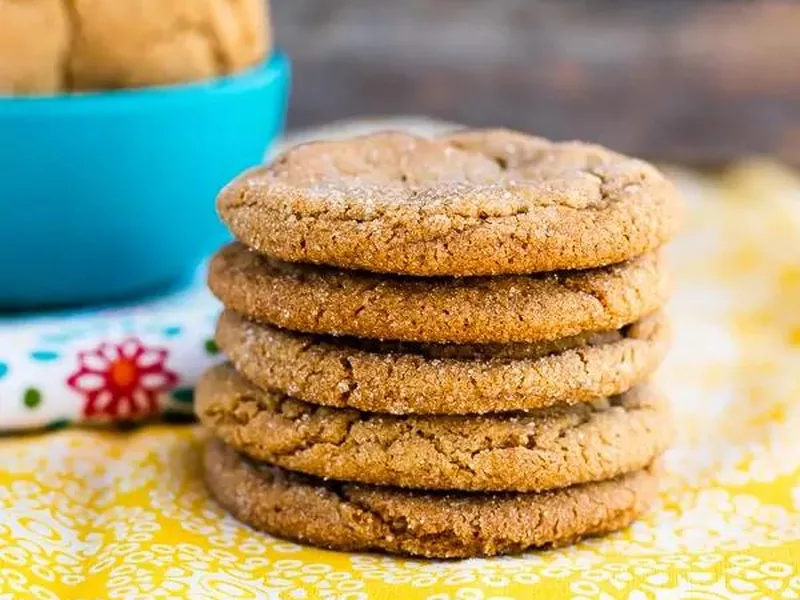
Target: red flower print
x=121, y=381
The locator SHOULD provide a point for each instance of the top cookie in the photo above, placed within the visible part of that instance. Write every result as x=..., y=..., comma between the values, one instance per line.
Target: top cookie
x=480, y=202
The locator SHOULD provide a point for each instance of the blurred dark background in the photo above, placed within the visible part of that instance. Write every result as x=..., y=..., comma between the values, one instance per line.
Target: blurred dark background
x=700, y=83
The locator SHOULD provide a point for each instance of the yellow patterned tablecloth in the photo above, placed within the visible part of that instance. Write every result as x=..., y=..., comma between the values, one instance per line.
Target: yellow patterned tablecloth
x=92, y=514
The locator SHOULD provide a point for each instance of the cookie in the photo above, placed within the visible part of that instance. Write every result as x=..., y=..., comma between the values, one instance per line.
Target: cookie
x=34, y=42
x=152, y=42
x=481, y=202
x=357, y=517
x=408, y=377
x=544, y=449
x=50, y=46
x=507, y=308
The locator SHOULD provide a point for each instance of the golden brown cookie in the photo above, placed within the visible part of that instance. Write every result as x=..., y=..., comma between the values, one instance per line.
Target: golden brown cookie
x=152, y=42
x=480, y=202
x=49, y=46
x=408, y=377
x=34, y=42
x=357, y=517
x=544, y=449
x=469, y=310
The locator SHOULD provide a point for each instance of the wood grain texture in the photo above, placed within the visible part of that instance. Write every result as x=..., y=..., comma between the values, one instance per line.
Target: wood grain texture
x=695, y=82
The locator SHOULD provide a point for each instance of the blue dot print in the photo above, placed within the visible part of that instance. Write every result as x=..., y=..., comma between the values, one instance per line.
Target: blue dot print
x=44, y=355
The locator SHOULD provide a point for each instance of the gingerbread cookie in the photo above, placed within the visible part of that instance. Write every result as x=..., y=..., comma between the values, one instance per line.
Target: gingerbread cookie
x=481, y=202
x=444, y=525
x=470, y=310
x=407, y=377
x=544, y=449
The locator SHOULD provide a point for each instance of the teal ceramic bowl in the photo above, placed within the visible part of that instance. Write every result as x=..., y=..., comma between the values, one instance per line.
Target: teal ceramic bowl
x=110, y=195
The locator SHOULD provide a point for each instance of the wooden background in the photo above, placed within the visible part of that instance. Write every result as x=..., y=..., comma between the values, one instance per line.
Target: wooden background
x=697, y=82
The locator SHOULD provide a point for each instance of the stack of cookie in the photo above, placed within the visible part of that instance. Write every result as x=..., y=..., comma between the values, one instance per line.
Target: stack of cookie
x=440, y=347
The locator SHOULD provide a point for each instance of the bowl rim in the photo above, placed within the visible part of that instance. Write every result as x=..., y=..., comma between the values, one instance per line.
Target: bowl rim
x=272, y=68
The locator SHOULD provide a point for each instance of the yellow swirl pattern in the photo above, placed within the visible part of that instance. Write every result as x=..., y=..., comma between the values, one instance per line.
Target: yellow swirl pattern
x=95, y=514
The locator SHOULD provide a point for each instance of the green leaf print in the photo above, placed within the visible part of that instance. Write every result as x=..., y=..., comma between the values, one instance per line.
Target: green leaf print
x=183, y=395
x=32, y=398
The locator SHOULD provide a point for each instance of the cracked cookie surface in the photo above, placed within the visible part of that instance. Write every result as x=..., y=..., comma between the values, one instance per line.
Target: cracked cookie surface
x=478, y=202
x=62, y=45
x=545, y=449
x=357, y=517
x=508, y=308
x=401, y=378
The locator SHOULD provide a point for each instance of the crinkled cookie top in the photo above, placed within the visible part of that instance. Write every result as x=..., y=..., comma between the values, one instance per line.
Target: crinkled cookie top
x=471, y=203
